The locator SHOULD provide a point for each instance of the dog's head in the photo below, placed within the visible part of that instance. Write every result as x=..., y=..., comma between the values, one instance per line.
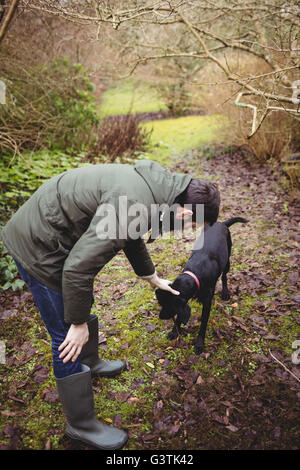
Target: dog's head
x=173, y=305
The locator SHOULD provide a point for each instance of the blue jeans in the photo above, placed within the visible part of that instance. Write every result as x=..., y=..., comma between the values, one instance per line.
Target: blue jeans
x=51, y=307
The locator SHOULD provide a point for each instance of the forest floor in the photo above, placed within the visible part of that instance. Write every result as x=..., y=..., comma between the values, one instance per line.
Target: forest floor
x=242, y=393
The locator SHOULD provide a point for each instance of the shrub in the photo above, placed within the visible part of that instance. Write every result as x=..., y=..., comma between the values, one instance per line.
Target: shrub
x=46, y=106
x=176, y=97
x=17, y=183
x=21, y=177
x=120, y=136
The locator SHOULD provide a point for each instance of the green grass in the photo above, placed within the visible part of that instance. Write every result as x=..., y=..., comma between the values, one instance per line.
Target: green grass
x=130, y=96
x=175, y=136
x=170, y=136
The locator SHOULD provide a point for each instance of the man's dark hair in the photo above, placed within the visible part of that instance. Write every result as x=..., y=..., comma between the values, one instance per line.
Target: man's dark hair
x=197, y=192
x=202, y=192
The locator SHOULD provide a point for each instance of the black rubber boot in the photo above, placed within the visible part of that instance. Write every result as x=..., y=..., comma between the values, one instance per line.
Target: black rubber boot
x=89, y=354
x=76, y=396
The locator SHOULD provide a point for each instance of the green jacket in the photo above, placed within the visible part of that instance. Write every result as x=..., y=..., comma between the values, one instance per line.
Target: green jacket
x=55, y=234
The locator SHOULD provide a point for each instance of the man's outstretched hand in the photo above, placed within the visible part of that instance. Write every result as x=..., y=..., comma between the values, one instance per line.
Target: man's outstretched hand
x=159, y=283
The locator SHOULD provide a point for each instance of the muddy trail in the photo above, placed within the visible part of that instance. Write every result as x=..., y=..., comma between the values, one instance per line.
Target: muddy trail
x=242, y=393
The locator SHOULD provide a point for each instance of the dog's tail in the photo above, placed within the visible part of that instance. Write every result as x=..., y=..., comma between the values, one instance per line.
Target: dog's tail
x=234, y=220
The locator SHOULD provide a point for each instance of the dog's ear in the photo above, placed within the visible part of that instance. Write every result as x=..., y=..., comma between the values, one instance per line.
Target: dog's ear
x=165, y=300
x=171, y=304
x=164, y=297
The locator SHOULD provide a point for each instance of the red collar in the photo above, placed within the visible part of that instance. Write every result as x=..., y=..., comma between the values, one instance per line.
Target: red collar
x=193, y=276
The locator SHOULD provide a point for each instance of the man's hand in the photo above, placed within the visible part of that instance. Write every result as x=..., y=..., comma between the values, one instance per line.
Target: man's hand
x=76, y=337
x=159, y=283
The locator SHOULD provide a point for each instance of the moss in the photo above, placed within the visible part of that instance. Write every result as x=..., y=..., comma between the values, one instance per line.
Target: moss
x=175, y=136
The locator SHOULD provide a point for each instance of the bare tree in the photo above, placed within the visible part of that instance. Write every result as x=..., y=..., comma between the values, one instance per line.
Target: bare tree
x=201, y=31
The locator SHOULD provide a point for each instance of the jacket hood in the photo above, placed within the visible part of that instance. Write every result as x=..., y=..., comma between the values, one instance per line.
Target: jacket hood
x=164, y=185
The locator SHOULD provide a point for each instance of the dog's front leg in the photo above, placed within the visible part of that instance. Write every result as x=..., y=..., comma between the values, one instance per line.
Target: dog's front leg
x=199, y=345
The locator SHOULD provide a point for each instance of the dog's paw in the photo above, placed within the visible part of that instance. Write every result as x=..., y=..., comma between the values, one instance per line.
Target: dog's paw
x=173, y=334
x=225, y=295
x=199, y=348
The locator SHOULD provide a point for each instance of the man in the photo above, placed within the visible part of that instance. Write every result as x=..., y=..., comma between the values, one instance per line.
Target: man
x=59, y=244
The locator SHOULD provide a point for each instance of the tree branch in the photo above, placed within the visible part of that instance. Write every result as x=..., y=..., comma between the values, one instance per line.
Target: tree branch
x=7, y=19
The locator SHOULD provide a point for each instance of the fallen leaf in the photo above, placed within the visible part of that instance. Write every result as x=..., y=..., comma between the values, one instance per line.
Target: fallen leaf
x=47, y=445
x=41, y=375
x=199, y=380
x=101, y=337
x=108, y=420
x=158, y=406
x=50, y=395
x=133, y=400
x=118, y=420
x=232, y=428
x=149, y=328
x=149, y=364
x=173, y=430
x=217, y=418
x=8, y=313
x=271, y=336
x=121, y=396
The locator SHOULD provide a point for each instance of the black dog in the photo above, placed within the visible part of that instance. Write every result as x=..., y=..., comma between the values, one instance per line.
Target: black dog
x=199, y=279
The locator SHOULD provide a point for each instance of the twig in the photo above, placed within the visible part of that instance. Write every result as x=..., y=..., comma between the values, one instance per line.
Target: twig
x=288, y=370
x=7, y=19
x=230, y=76
x=248, y=105
x=268, y=109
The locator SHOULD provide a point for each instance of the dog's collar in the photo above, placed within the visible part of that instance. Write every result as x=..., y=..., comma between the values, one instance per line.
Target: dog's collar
x=193, y=276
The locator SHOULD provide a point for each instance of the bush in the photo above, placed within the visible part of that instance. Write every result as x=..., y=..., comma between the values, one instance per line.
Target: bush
x=21, y=177
x=46, y=106
x=176, y=98
x=120, y=136
x=17, y=183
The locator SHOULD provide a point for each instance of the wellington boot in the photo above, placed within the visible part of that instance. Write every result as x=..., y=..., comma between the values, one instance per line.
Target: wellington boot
x=76, y=395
